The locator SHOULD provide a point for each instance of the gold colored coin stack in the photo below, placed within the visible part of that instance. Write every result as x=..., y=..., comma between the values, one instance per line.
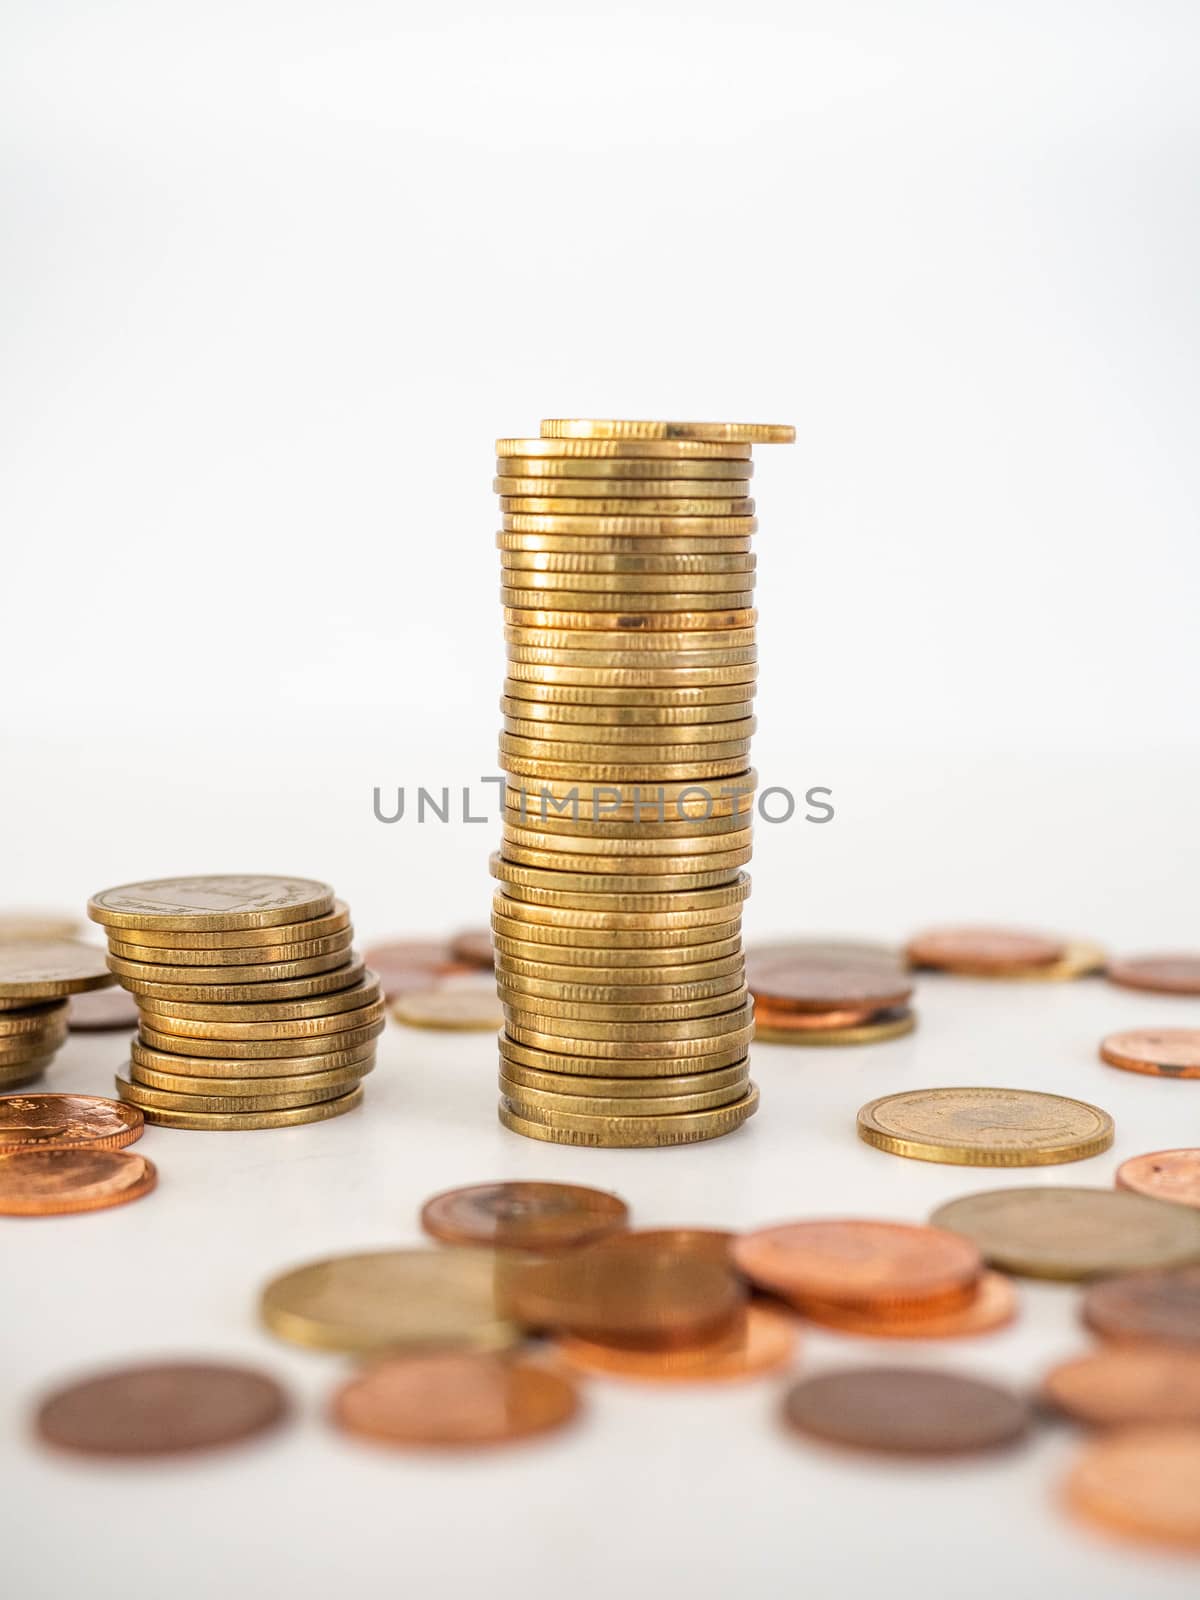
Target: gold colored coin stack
x=36, y=977
x=628, y=607
x=255, y=1011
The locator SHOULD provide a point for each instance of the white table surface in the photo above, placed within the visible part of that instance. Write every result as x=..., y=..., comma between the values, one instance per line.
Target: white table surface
x=697, y=1492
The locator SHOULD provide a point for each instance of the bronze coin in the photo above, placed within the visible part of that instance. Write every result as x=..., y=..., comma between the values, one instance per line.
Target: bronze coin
x=862, y=1265
x=783, y=1019
x=993, y=1305
x=812, y=983
x=101, y=1010
x=982, y=950
x=67, y=1122
x=1158, y=1307
x=1163, y=1175
x=405, y=964
x=906, y=1411
x=1160, y=974
x=1161, y=1052
x=473, y=947
x=454, y=1399
x=1127, y=1384
x=47, y=1183
x=707, y=1244
x=161, y=1409
x=762, y=1340
x=621, y=1292
x=1142, y=1482
x=524, y=1215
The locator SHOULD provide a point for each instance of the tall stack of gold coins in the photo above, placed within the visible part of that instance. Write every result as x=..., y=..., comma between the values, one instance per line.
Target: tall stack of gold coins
x=254, y=1010
x=628, y=609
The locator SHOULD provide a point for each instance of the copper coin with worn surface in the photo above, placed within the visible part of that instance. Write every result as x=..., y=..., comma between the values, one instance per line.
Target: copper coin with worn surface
x=524, y=1215
x=67, y=1122
x=1160, y=1052
x=827, y=983
x=1142, y=1482
x=47, y=1183
x=906, y=1411
x=785, y=1020
x=708, y=1244
x=861, y=1264
x=1164, y=1175
x=1127, y=1384
x=621, y=1292
x=982, y=950
x=404, y=964
x=456, y=1008
x=101, y=1010
x=161, y=1409
x=454, y=1399
x=1072, y=1233
x=762, y=1340
x=993, y=1305
x=473, y=947
x=1155, y=1307
x=1165, y=974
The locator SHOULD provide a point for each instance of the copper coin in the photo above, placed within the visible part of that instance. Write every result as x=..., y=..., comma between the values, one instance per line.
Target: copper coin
x=1161, y=1052
x=982, y=950
x=47, y=1183
x=993, y=1305
x=1158, y=1307
x=454, y=1399
x=863, y=1265
x=473, y=947
x=621, y=1292
x=524, y=1215
x=67, y=1122
x=1166, y=974
x=824, y=984
x=1142, y=1482
x=400, y=962
x=907, y=1411
x=786, y=1020
x=1164, y=1175
x=707, y=1244
x=762, y=1340
x=164, y=1409
x=101, y=1010
x=1127, y=1384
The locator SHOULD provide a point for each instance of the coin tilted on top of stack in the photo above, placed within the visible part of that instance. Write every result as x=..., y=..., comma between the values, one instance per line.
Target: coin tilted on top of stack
x=628, y=594
x=36, y=978
x=255, y=1010
x=829, y=992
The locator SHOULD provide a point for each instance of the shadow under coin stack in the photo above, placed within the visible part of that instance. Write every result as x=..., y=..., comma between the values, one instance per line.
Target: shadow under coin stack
x=36, y=977
x=628, y=607
x=254, y=1010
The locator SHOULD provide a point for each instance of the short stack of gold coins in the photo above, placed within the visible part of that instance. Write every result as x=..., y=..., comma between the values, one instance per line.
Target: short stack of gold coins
x=627, y=586
x=255, y=1012
x=36, y=978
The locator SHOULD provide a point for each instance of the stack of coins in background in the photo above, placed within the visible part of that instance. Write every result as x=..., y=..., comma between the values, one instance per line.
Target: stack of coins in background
x=627, y=590
x=36, y=977
x=255, y=1011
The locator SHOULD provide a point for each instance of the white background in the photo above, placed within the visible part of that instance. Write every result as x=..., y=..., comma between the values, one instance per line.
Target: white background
x=273, y=278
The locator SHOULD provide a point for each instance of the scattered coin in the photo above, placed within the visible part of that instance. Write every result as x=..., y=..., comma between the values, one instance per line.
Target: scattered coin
x=459, y=1009
x=403, y=965
x=1159, y=974
x=1126, y=1385
x=473, y=947
x=820, y=983
x=993, y=1305
x=101, y=1010
x=216, y=903
x=762, y=1340
x=863, y=1265
x=1141, y=1482
x=393, y=1300
x=985, y=1127
x=1080, y=959
x=906, y=1411
x=983, y=951
x=524, y=1215
x=782, y=1027
x=1156, y=1307
x=45, y=1183
x=1164, y=1175
x=1161, y=1052
x=454, y=1399
x=1073, y=1233
x=67, y=1122
x=162, y=1409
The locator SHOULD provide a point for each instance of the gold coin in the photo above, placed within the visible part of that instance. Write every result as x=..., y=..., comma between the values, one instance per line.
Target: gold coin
x=629, y=612
x=393, y=1300
x=234, y=1027
x=34, y=1018
x=663, y=734
x=553, y=1015
x=222, y=977
x=704, y=657
x=708, y=432
x=592, y=527
x=601, y=942
x=628, y=1089
x=521, y=989
x=227, y=1050
x=720, y=1046
x=618, y=1132
x=285, y=933
x=646, y=906
x=587, y=838
x=138, y=1094
x=364, y=992
x=598, y=770
x=635, y=566
x=563, y=880
x=31, y=1056
x=456, y=1010
x=341, y=977
x=300, y=1084
x=597, y=1035
x=627, y=716
x=630, y=467
x=665, y=959
x=219, y=1121
x=631, y=645
x=890, y=1026
x=562, y=506
x=593, y=823
x=656, y=872
x=539, y=1106
x=252, y=957
x=638, y=546
x=606, y=679
x=648, y=977
x=986, y=1127
x=552, y=694
x=211, y=904
x=32, y=970
x=727, y=1051
x=514, y=486
x=738, y=791
x=19, y=1077
x=635, y=449
x=170, y=1063
x=635, y=583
